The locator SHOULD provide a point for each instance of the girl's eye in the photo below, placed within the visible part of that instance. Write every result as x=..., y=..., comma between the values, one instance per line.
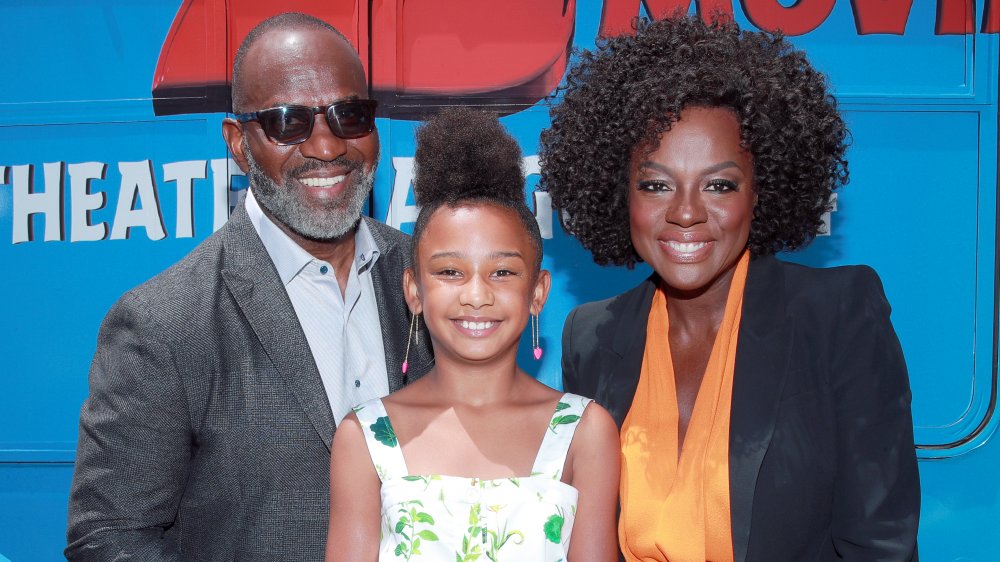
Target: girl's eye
x=448, y=273
x=722, y=186
x=653, y=185
x=504, y=273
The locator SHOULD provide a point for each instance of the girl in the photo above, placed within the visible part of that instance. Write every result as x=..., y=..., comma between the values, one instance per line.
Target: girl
x=476, y=460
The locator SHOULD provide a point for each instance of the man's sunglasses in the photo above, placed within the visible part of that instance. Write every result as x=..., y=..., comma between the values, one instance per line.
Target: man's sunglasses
x=292, y=124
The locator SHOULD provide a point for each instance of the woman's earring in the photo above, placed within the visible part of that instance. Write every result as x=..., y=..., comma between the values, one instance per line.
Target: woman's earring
x=410, y=336
x=535, y=338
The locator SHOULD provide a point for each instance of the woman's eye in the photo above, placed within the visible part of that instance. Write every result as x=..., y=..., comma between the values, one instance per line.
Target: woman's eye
x=652, y=185
x=721, y=185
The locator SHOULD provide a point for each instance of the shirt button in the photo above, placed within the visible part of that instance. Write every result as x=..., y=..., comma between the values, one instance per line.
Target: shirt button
x=357, y=383
x=323, y=269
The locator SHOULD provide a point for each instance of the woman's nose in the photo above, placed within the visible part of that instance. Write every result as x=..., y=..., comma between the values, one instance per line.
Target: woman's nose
x=686, y=208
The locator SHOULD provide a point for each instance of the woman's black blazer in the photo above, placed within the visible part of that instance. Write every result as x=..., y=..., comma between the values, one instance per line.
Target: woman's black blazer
x=821, y=457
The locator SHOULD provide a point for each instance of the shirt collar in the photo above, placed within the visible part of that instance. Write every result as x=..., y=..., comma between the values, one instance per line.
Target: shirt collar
x=288, y=257
x=366, y=252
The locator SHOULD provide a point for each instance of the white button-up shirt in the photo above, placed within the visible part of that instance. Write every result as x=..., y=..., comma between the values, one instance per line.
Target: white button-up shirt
x=342, y=329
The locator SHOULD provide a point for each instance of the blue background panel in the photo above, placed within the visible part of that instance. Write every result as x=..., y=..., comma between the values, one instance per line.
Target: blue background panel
x=59, y=291
x=960, y=504
x=915, y=64
x=913, y=215
x=90, y=56
x=33, y=510
x=921, y=208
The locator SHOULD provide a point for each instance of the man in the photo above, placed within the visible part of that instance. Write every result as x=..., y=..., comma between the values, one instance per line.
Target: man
x=216, y=386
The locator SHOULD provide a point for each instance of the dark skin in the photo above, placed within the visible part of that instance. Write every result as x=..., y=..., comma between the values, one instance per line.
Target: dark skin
x=691, y=203
x=311, y=67
x=690, y=348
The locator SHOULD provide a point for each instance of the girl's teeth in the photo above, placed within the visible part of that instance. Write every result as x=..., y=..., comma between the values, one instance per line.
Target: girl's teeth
x=476, y=325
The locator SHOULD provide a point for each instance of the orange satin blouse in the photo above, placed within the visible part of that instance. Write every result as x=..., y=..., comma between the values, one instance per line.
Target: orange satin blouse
x=675, y=506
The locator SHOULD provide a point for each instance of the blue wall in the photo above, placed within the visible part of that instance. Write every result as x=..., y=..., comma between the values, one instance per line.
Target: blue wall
x=921, y=208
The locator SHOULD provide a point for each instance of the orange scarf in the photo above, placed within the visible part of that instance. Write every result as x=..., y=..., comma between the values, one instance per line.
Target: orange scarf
x=677, y=508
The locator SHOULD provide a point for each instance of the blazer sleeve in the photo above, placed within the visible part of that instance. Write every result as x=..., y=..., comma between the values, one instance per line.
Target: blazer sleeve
x=134, y=445
x=876, y=500
x=570, y=374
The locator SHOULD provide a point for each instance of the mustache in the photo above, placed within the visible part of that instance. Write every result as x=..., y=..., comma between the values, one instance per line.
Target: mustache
x=319, y=165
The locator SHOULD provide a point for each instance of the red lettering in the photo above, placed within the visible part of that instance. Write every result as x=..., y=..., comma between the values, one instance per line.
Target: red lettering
x=881, y=16
x=798, y=19
x=991, y=17
x=955, y=17
x=617, y=15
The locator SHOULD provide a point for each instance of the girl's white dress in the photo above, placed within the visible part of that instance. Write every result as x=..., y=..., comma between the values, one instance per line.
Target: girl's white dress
x=449, y=518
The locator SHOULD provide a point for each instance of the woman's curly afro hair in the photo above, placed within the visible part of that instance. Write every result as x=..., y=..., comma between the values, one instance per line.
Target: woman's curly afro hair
x=466, y=157
x=631, y=90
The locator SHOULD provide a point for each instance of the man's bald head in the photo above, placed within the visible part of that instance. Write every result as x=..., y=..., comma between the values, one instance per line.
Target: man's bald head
x=285, y=21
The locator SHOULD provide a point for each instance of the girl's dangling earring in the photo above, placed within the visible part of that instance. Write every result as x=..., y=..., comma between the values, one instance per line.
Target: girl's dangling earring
x=535, y=337
x=410, y=336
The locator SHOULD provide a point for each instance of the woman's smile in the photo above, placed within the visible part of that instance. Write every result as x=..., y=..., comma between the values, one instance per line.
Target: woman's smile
x=682, y=251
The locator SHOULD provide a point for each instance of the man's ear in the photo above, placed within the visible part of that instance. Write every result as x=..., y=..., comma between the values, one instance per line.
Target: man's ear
x=232, y=132
x=541, y=292
x=411, y=291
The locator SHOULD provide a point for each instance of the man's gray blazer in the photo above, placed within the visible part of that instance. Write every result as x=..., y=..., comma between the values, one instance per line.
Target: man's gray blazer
x=207, y=432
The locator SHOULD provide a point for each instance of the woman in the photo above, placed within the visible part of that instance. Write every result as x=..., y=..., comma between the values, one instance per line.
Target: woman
x=476, y=460
x=764, y=407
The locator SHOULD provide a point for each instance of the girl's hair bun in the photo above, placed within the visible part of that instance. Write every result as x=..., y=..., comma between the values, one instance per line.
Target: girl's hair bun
x=466, y=154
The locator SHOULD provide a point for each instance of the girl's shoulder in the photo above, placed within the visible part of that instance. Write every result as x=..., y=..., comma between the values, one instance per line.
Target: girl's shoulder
x=596, y=419
x=367, y=410
x=595, y=445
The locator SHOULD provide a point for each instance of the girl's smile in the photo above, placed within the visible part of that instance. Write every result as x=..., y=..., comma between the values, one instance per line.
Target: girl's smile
x=474, y=282
x=476, y=327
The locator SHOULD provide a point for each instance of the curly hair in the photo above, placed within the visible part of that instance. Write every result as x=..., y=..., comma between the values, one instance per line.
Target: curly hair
x=465, y=157
x=630, y=91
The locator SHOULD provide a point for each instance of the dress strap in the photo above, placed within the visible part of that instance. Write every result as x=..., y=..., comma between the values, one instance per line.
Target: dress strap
x=559, y=435
x=383, y=447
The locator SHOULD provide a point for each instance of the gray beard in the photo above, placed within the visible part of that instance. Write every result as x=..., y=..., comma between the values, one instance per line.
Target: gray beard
x=335, y=218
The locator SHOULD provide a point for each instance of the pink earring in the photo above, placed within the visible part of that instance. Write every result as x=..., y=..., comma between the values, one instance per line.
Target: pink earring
x=535, y=337
x=410, y=336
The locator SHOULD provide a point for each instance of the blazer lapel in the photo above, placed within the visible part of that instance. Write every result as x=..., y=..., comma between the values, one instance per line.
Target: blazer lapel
x=387, y=279
x=254, y=284
x=761, y=359
x=628, y=344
